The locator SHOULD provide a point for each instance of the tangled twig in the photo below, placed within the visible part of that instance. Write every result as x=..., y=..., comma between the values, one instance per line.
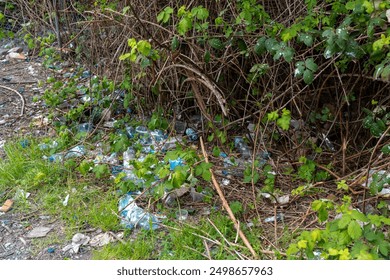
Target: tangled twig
x=23, y=101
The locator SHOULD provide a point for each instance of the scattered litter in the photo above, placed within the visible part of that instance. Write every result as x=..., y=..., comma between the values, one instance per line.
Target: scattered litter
x=24, y=143
x=14, y=55
x=225, y=182
x=55, y=158
x=38, y=232
x=242, y=147
x=78, y=240
x=180, y=127
x=7, y=205
x=101, y=239
x=174, y=163
x=65, y=202
x=182, y=214
x=21, y=194
x=279, y=217
x=23, y=241
x=283, y=199
x=77, y=151
x=134, y=216
x=173, y=195
x=192, y=135
x=196, y=196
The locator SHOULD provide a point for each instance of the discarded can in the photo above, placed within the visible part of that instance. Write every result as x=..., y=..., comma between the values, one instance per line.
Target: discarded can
x=192, y=135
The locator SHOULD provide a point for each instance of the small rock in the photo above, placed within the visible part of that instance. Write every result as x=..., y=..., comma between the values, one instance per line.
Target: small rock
x=38, y=232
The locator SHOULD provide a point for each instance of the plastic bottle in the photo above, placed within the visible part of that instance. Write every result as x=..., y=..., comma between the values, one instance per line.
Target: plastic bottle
x=242, y=147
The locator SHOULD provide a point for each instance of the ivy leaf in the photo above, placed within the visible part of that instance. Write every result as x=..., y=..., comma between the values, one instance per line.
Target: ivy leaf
x=308, y=76
x=354, y=230
x=101, y=170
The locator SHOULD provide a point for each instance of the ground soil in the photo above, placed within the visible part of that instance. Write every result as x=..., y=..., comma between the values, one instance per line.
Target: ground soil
x=23, y=76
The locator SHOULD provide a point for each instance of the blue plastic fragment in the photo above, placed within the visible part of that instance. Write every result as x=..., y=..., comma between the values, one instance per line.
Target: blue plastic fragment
x=51, y=250
x=24, y=143
x=175, y=162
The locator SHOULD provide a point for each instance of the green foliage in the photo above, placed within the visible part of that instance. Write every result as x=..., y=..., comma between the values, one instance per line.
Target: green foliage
x=203, y=169
x=282, y=121
x=353, y=236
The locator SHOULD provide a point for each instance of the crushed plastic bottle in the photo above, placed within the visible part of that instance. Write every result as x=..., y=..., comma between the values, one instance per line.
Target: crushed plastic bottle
x=130, y=131
x=158, y=135
x=128, y=156
x=192, y=135
x=77, y=151
x=134, y=216
x=242, y=147
x=84, y=127
x=54, y=158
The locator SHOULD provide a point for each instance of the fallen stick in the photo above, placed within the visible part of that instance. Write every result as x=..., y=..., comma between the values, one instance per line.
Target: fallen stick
x=225, y=204
x=21, y=98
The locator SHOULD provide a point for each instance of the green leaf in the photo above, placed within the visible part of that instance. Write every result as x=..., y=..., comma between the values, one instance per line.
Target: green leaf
x=322, y=215
x=144, y=47
x=206, y=175
x=260, y=47
x=200, y=13
x=101, y=170
x=384, y=248
x=359, y=216
x=308, y=76
x=124, y=56
x=236, y=207
x=385, y=75
x=215, y=43
x=354, y=230
x=386, y=149
x=288, y=54
x=310, y=64
x=207, y=57
x=344, y=221
x=273, y=116
x=131, y=42
x=307, y=39
x=175, y=43
x=184, y=25
x=178, y=178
